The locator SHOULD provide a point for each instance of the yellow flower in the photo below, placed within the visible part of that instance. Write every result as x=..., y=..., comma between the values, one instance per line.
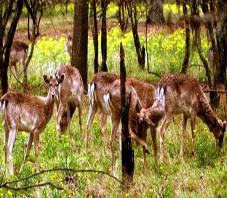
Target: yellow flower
x=10, y=194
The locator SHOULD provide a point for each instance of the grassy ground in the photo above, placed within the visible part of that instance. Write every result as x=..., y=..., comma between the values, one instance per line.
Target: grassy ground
x=203, y=174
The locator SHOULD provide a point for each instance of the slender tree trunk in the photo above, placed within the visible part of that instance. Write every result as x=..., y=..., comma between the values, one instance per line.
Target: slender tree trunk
x=132, y=12
x=187, y=41
x=127, y=152
x=80, y=38
x=122, y=19
x=9, y=41
x=104, y=36
x=94, y=26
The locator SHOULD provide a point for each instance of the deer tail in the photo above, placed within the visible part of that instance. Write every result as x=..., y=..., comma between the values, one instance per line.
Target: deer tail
x=91, y=93
x=106, y=98
x=3, y=105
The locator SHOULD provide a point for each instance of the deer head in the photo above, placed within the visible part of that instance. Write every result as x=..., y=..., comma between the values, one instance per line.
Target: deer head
x=219, y=132
x=152, y=115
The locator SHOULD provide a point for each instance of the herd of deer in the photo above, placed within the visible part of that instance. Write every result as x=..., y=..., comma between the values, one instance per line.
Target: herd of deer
x=150, y=104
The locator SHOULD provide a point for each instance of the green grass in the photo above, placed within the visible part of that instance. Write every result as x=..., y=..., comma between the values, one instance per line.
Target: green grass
x=202, y=175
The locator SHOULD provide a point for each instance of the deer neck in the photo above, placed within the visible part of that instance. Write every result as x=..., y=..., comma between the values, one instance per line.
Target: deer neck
x=207, y=114
x=49, y=106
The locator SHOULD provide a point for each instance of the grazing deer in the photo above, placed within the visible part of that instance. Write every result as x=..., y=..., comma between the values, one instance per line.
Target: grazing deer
x=97, y=88
x=23, y=112
x=184, y=95
x=69, y=44
x=142, y=95
x=70, y=96
x=18, y=54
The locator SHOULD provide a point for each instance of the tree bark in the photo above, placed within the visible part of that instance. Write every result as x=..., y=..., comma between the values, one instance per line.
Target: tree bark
x=8, y=44
x=127, y=152
x=187, y=41
x=155, y=13
x=104, y=36
x=132, y=12
x=94, y=26
x=80, y=38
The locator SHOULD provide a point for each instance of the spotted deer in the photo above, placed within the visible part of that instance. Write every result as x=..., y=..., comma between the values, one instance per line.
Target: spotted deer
x=70, y=97
x=18, y=54
x=184, y=95
x=97, y=88
x=29, y=113
x=141, y=96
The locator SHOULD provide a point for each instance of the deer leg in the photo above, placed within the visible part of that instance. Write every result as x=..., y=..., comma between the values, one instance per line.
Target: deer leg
x=164, y=126
x=30, y=140
x=12, y=137
x=59, y=116
x=184, y=123
x=102, y=129
x=145, y=153
x=138, y=140
x=80, y=118
x=6, y=143
x=68, y=119
x=193, y=118
x=36, y=145
x=115, y=123
x=92, y=111
x=154, y=141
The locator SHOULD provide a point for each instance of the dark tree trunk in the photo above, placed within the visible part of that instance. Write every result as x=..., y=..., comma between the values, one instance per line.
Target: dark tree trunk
x=94, y=26
x=155, y=13
x=104, y=36
x=132, y=12
x=122, y=19
x=80, y=38
x=8, y=44
x=127, y=152
x=187, y=41
x=217, y=35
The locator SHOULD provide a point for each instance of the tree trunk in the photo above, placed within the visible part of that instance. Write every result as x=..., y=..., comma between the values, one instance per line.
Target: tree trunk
x=104, y=36
x=8, y=44
x=132, y=12
x=122, y=19
x=80, y=38
x=94, y=26
x=127, y=152
x=187, y=41
x=217, y=36
x=155, y=13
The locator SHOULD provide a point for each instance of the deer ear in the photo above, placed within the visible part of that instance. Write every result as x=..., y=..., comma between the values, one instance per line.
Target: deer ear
x=61, y=79
x=224, y=124
x=46, y=79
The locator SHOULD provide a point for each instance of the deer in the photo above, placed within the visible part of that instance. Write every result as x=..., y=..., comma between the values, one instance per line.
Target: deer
x=184, y=95
x=141, y=96
x=70, y=97
x=18, y=54
x=29, y=113
x=68, y=44
x=97, y=88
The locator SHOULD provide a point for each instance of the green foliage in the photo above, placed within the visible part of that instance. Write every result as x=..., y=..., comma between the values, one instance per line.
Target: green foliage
x=48, y=54
x=206, y=150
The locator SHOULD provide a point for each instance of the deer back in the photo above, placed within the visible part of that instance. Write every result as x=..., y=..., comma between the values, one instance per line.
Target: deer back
x=101, y=83
x=71, y=89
